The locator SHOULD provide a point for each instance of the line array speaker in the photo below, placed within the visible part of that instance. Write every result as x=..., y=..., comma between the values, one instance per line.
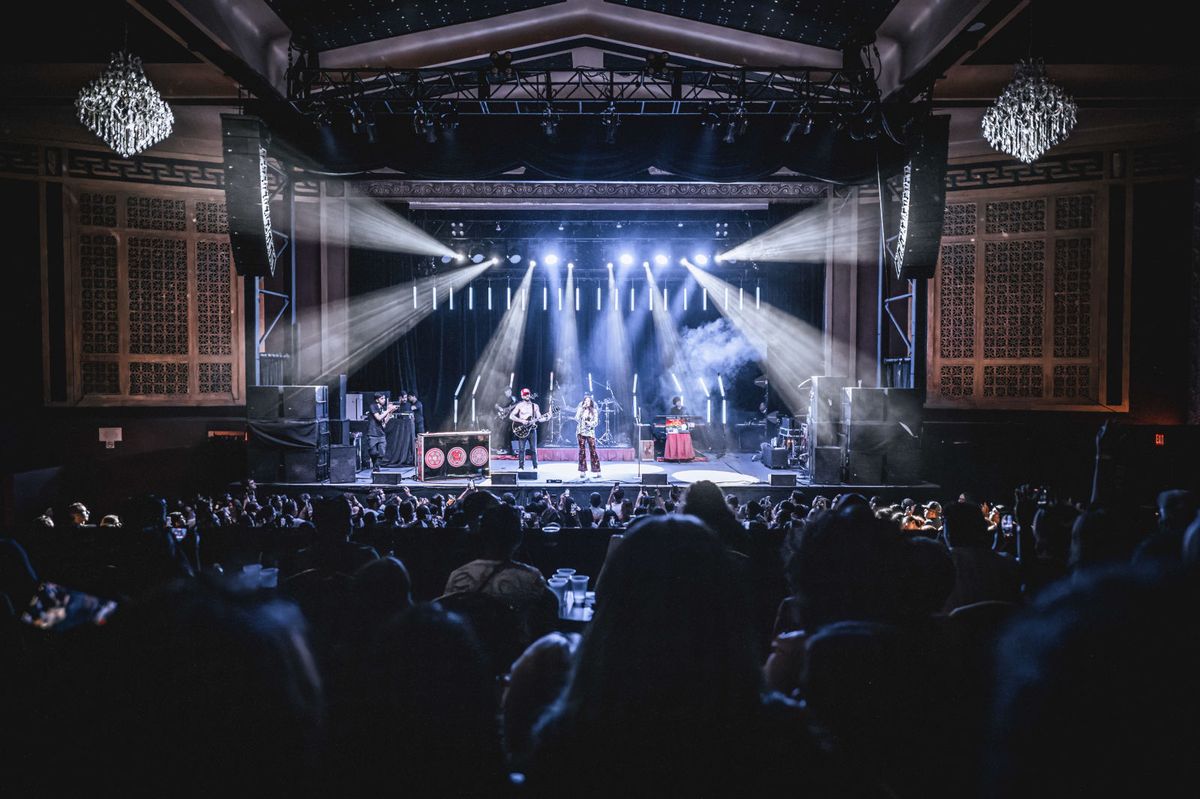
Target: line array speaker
x=247, y=194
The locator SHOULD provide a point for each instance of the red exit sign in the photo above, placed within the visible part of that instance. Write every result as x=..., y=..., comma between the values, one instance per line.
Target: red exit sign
x=1160, y=439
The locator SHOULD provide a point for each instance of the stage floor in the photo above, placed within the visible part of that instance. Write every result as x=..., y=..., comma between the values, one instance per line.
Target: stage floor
x=731, y=471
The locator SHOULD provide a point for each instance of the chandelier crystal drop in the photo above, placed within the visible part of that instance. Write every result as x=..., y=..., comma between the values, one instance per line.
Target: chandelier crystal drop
x=1030, y=116
x=123, y=108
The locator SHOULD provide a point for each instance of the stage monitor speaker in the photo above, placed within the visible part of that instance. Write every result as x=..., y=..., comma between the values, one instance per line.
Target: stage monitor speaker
x=262, y=402
x=654, y=479
x=783, y=481
x=825, y=434
x=504, y=478
x=827, y=465
x=524, y=475
x=305, y=402
x=343, y=464
x=902, y=461
x=244, y=142
x=386, y=478
x=923, y=203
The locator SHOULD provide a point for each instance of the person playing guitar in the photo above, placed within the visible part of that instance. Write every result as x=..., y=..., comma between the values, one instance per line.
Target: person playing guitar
x=525, y=417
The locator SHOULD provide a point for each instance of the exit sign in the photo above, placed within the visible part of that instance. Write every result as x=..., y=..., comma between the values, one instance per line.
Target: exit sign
x=1160, y=439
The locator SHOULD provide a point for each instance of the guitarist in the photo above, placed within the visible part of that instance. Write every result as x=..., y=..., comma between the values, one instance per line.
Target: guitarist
x=526, y=414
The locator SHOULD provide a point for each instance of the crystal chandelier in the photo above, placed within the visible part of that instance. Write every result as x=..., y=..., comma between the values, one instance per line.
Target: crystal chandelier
x=1030, y=116
x=123, y=108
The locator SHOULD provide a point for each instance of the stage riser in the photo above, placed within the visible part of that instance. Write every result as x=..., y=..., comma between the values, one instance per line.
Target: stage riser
x=570, y=454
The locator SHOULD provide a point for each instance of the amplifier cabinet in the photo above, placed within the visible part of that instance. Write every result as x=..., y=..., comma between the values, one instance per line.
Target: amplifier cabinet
x=448, y=455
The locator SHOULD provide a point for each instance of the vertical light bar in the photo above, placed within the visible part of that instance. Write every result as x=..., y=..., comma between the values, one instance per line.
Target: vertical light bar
x=589, y=382
x=757, y=297
x=451, y=291
x=508, y=298
x=470, y=298
x=726, y=303
x=741, y=298
x=599, y=298
x=632, y=299
x=666, y=305
x=675, y=380
x=721, y=386
x=577, y=298
x=635, y=382
x=685, y=293
x=461, y=380
x=435, y=298
x=545, y=298
x=414, y=296
x=552, y=381
x=724, y=411
x=476, y=386
x=489, y=296
x=560, y=298
x=511, y=377
x=650, y=294
x=704, y=299
x=708, y=410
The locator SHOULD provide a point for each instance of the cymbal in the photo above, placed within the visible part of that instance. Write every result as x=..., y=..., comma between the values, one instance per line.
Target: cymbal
x=761, y=381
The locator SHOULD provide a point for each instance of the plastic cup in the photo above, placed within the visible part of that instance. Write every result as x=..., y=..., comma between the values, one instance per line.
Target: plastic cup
x=251, y=574
x=268, y=578
x=578, y=587
x=559, y=586
x=564, y=572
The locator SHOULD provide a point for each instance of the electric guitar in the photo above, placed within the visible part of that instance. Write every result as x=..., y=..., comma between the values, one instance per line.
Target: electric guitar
x=522, y=429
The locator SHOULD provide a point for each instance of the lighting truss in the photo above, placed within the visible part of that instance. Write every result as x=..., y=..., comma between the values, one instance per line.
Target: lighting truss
x=583, y=91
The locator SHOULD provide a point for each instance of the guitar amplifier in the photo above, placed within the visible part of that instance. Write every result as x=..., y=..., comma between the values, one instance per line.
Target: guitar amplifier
x=448, y=455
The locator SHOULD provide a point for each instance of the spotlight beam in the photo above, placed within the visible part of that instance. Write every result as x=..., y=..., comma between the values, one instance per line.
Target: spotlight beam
x=373, y=321
x=790, y=350
x=804, y=236
x=373, y=225
x=496, y=367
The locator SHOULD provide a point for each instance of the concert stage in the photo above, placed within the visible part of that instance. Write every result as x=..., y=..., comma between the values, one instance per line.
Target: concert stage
x=735, y=472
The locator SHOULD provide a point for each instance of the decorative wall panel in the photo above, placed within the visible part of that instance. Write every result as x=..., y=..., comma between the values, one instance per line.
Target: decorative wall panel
x=216, y=378
x=154, y=213
x=1014, y=298
x=1015, y=307
x=1072, y=298
x=214, y=313
x=100, y=331
x=158, y=296
x=98, y=208
x=211, y=217
x=101, y=377
x=958, y=300
x=161, y=378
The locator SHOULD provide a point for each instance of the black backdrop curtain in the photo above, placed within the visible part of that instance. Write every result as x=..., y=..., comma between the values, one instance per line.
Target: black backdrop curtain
x=446, y=344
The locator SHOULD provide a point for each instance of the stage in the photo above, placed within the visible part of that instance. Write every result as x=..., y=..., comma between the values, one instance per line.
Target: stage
x=736, y=473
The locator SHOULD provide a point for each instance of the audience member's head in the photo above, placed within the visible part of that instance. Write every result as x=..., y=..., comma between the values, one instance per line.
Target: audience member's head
x=964, y=526
x=500, y=532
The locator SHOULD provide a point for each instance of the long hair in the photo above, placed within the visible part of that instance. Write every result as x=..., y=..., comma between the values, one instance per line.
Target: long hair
x=669, y=650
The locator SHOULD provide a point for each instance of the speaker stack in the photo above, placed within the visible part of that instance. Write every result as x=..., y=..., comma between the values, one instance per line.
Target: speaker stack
x=826, y=434
x=867, y=434
x=289, y=433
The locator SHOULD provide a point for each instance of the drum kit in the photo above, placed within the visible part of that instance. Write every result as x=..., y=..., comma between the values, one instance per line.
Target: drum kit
x=563, y=427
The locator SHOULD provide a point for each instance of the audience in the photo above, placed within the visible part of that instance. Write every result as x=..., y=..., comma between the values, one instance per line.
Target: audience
x=820, y=644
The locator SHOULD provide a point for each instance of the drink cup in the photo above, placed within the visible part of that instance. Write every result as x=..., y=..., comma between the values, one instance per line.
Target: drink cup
x=578, y=588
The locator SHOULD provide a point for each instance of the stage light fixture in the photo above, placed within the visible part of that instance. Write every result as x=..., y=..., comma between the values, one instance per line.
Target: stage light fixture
x=735, y=125
x=501, y=64
x=570, y=264
x=447, y=259
x=700, y=259
x=610, y=120
x=549, y=122
x=532, y=263
x=710, y=117
x=514, y=258
x=550, y=259
x=425, y=124
x=610, y=266
x=801, y=123
x=626, y=259
x=656, y=64
x=661, y=259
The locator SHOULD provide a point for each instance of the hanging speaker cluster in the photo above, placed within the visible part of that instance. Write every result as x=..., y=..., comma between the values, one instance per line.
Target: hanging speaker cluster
x=922, y=203
x=248, y=194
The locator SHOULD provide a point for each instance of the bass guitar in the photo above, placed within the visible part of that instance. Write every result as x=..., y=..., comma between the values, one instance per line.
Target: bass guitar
x=521, y=430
